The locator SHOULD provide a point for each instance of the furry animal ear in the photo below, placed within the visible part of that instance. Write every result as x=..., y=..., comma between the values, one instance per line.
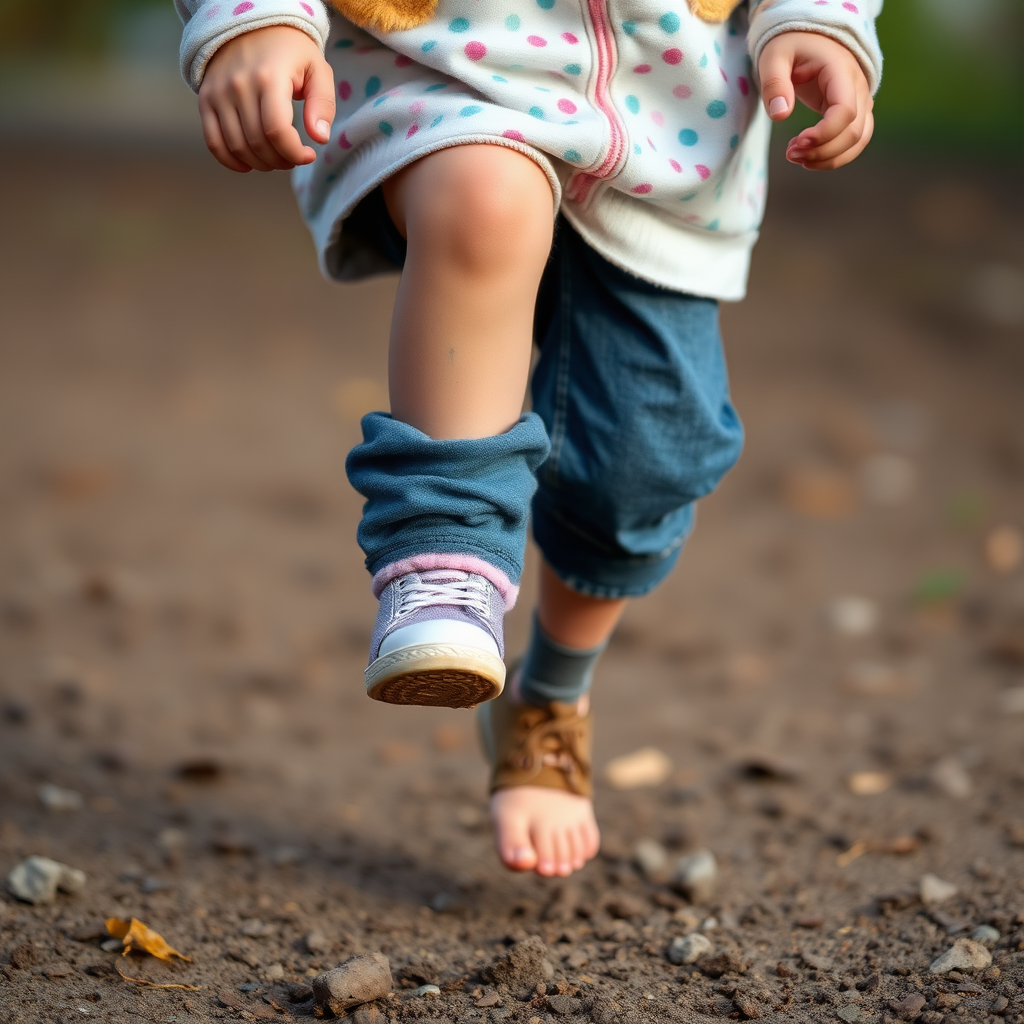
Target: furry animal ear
x=713, y=10
x=387, y=15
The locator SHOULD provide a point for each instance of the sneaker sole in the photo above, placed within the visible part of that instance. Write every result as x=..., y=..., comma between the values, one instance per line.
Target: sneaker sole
x=436, y=676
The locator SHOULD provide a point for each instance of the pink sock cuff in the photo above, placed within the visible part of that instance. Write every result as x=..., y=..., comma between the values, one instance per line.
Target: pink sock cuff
x=464, y=563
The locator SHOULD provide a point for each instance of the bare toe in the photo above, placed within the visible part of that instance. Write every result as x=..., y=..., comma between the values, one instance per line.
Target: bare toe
x=512, y=837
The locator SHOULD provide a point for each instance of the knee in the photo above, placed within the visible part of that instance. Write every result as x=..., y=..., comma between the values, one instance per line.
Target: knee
x=482, y=207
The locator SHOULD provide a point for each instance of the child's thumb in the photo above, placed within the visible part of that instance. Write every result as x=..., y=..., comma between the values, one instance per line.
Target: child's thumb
x=318, y=94
x=776, y=70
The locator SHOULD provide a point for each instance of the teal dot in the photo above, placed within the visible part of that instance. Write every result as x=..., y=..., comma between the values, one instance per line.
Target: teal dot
x=718, y=49
x=437, y=120
x=458, y=25
x=498, y=78
x=545, y=5
x=734, y=142
x=428, y=45
x=704, y=60
x=343, y=44
x=537, y=112
x=632, y=104
x=572, y=155
x=629, y=27
x=512, y=23
x=713, y=226
x=669, y=22
x=436, y=86
x=386, y=128
x=688, y=137
x=470, y=110
x=716, y=108
x=688, y=197
x=372, y=86
x=637, y=149
x=540, y=88
x=380, y=99
x=572, y=69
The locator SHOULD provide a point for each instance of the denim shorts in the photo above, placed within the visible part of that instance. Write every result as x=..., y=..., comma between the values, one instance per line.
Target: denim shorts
x=631, y=424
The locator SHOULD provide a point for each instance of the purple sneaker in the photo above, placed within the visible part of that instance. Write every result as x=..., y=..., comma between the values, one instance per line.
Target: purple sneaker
x=438, y=641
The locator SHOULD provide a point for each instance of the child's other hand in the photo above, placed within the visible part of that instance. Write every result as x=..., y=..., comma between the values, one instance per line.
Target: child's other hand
x=828, y=78
x=245, y=101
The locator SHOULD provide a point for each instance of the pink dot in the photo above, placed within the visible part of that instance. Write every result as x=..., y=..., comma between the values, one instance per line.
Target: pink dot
x=213, y=10
x=724, y=75
x=682, y=92
x=307, y=9
x=402, y=61
x=475, y=50
x=852, y=8
x=672, y=56
x=412, y=131
x=417, y=107
x=703, y=172
x=344, y=90
x=343, y=141
x=243, y=7
x=511, y=133
x=570, y=38
x=642, y=69
x=567, y=106
x=658, y=118
x=675, y=165
x=643, y=188
x=536, y=40
x=744, y=85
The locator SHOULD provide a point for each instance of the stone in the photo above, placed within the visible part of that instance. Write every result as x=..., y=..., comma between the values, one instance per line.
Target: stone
x=39, y=879
x=725, y=963
x=931, y=1017
x=425, y=992
x=950, y=777
x=963, y=955
x=934, y=890
x=853, y=616
x=523, y=967
x=645, y=767
x=817, y=962
x=564, y=1005
x=367, y=1015
x=651, y=858
x=316, y=942
x=360, y=979
x=985, y=934
x=999, y=1004
x=908, y=1007
x=849, y=1013
x=275, y=972
x=54, y=798
x=254, y=928
x=696, y=874
x=624, y=905
x=746, y=1005
x=688, y=949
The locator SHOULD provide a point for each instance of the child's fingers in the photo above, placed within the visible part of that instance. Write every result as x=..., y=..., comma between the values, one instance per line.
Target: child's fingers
x=276, y=116
x=237, y=142
x=215, y=140
x=776, y=71
x=318, y=92
x=842, y=126
x=251, y=115
x=845, y=157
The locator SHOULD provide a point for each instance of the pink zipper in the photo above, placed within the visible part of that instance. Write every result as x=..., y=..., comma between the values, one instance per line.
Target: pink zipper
x=581, y=183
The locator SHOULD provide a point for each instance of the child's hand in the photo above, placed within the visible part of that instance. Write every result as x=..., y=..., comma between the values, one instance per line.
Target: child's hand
x=245, y=101
x=828, y=78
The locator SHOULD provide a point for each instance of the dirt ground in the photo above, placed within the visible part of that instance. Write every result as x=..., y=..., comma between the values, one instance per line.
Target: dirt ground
x=185, y=620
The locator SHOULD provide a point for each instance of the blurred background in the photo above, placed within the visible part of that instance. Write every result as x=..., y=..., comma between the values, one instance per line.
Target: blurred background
x=836, y=669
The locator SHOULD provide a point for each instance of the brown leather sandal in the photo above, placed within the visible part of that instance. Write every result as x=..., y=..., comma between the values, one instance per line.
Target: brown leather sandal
x=537, y=746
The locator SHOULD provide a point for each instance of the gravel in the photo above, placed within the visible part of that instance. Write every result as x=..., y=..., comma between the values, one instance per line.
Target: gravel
x=358, y=980
x=39, y=879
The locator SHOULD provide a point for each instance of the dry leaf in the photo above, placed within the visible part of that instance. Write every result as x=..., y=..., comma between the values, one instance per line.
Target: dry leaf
x=157, y=984
x=645, y=767
x=136, y=935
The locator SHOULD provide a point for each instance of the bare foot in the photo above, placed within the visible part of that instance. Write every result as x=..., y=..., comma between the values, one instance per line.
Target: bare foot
x=544, y=830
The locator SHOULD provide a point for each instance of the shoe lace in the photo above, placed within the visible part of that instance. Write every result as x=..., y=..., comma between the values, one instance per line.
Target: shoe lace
x=554, y=737
x=443, y=586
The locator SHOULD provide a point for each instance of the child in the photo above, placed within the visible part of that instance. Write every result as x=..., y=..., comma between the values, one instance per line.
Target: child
x=586, y=174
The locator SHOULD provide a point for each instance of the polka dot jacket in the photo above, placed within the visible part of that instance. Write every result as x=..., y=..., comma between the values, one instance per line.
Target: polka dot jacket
x=644, y=115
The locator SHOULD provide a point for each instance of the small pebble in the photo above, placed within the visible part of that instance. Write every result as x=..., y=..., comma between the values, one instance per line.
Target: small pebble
x=254, y=928
x=817, y=961
x=361, y=979
x=316, y=942
x=275, y=972
x=1004, y=549
x=696, y=875
x=934, y=890
x=38, y=879
x=688, y=949
x=424, y=992
x=950, y=777
x=54, y=798
x=849, y=1013
x=985, y=934
x=963, y=955
x=908, y=1007
x=645, y=767
x=853, y=616
x=651, y=858
x=869, y=783
x=888, y=479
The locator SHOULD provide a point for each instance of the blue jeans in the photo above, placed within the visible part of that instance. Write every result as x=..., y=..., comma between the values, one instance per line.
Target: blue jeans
x=631, y=424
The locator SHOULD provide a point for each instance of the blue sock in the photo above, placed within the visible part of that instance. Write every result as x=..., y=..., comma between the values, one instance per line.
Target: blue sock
x=554, y=672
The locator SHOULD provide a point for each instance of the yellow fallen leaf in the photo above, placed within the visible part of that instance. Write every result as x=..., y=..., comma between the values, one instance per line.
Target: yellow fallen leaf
x=136, y=935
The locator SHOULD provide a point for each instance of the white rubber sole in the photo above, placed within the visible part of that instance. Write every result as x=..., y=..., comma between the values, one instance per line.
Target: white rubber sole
x=436, y=676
